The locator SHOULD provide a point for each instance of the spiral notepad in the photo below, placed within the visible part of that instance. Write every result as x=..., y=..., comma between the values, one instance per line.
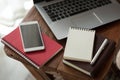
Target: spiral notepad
x=79, y=45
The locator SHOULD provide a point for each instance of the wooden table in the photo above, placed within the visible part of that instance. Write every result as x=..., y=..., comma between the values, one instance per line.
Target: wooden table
x=55, y=66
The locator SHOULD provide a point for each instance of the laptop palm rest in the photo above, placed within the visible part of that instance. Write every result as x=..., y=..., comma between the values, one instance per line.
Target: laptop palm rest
x=108, y=14
x=88, y=20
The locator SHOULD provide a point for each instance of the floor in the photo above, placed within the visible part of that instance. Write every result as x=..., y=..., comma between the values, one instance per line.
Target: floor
x=11, y=69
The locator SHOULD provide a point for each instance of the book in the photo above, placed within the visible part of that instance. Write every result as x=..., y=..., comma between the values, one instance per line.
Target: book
x=86, y=67
x=79, y=45
x=36, y=58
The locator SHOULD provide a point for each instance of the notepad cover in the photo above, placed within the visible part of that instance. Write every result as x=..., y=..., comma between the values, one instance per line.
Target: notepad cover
x=79, y=45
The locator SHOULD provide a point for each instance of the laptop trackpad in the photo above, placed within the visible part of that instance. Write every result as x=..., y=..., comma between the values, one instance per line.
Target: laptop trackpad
x=88, y=20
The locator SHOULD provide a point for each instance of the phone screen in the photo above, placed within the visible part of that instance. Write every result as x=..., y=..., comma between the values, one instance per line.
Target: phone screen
x=31, y=37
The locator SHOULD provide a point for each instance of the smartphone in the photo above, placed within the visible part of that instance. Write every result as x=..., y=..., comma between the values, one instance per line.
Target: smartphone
x=31, y=36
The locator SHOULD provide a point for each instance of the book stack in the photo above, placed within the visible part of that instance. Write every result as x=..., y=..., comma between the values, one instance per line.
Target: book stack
x=83, y=46
x=36, y=58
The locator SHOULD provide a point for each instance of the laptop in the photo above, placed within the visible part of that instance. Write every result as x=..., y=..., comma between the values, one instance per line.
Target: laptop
x=62, y=14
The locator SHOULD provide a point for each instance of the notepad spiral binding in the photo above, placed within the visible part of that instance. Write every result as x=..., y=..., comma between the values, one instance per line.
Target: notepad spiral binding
x=83, y=29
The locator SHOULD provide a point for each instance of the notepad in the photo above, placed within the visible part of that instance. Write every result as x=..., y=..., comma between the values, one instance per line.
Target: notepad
x=79, y=45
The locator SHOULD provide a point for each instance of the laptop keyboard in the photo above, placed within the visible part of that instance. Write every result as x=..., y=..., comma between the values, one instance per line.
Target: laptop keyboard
x=66, y=8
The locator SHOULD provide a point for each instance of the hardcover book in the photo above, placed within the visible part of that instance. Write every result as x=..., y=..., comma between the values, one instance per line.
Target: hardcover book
x=36, y=58
x=86, y=67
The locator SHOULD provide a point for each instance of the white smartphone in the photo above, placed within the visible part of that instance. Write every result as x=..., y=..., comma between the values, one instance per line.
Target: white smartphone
x=31, y=36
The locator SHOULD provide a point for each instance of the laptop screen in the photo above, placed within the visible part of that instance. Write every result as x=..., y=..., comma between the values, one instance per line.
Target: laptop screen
x=36, y=1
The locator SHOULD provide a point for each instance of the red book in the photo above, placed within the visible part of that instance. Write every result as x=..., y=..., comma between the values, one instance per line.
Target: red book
x=37, y=58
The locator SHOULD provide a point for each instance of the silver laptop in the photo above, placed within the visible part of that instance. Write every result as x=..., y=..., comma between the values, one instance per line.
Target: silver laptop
x=62, y=14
